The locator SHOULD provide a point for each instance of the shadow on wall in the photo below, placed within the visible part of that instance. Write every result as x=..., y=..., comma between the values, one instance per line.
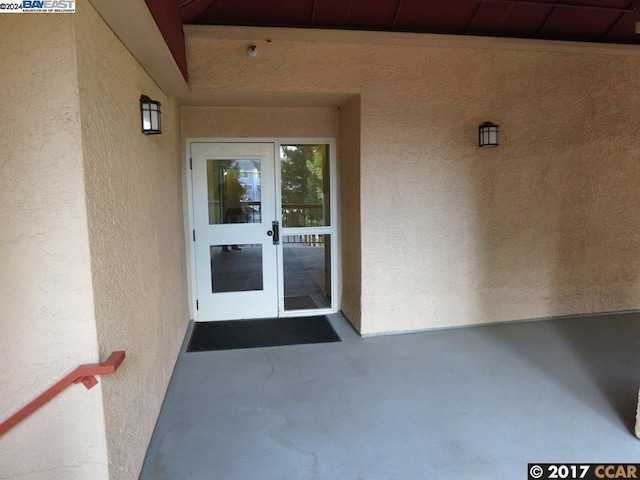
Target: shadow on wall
x=559, y=235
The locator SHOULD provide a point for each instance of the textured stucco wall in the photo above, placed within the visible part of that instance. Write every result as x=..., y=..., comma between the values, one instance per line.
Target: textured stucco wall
x=134, y=202
x=452, y=234
x=258, y=122
x=47, y=325
x=350, y=206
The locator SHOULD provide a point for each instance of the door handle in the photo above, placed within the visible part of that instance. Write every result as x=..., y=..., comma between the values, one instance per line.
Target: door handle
x=275, y=232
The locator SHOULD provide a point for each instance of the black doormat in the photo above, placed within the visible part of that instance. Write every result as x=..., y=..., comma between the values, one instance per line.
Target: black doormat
x=271, y=332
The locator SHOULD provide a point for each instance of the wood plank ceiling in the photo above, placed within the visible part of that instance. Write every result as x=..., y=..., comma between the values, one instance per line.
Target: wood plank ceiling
x=601, y=21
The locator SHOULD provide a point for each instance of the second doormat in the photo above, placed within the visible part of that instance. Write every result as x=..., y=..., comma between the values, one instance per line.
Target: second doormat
x=272, y=332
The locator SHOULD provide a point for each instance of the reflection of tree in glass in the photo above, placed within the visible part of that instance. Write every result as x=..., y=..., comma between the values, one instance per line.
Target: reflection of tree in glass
x=302, y=184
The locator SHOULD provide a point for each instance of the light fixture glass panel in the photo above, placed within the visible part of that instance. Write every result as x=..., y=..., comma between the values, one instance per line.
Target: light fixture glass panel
x=146, y=120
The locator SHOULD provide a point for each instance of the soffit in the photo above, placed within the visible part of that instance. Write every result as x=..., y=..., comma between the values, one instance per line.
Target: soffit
x=599, y=21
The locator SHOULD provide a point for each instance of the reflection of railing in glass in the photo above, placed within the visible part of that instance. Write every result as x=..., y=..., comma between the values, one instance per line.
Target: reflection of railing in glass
x=313, y=240
x=302, y=215
x=250, y=212
x=293, y=214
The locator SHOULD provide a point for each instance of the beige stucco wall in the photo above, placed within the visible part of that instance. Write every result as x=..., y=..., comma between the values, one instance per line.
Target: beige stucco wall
x=134, y=201
x=350, y=206
x=258, y=122
x=47, y=325
x=452, y=234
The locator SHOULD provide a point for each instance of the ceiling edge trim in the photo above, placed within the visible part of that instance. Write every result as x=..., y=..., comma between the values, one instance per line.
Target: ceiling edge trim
x=403, y=38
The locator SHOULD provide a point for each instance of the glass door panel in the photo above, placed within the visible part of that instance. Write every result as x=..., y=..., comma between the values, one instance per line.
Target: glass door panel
x=239, y=272
x=307, y=271
x=307, y=226
x=234, y=191
x=305, y=185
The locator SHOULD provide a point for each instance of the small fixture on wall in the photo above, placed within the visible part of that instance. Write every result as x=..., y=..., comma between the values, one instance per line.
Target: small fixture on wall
x=150, y=116
x=488, y=135
x=252, y=51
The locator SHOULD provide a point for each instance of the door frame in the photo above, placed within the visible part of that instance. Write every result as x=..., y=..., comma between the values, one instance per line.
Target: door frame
x=335, y=228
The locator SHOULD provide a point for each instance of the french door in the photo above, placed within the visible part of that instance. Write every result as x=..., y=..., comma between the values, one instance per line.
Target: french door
x=263, y=229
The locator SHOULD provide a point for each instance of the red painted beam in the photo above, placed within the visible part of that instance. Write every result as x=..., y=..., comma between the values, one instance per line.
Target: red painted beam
x=578, y=6
x=167, y=16
x=84, y=374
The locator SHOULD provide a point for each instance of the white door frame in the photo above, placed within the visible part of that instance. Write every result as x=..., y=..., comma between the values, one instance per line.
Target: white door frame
x=333, y=229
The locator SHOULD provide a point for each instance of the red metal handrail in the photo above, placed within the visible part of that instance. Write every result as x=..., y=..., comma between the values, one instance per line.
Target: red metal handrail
x=84, y=374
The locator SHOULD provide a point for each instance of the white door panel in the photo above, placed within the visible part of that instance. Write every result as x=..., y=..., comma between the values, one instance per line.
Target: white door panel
x=234, y=207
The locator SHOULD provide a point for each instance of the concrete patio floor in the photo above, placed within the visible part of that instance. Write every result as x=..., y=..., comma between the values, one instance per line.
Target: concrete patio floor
x=461, y=404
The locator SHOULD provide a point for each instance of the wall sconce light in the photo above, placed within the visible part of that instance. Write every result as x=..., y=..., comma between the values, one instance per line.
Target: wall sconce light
x=150, y=116
x=488, y=135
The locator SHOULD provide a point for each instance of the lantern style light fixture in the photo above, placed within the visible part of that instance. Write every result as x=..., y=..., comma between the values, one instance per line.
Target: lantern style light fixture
x=488, y=135
x=150, y=116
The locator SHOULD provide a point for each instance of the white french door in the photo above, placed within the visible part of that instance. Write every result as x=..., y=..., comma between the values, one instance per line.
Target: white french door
x=263, y=229
x=234, y=248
